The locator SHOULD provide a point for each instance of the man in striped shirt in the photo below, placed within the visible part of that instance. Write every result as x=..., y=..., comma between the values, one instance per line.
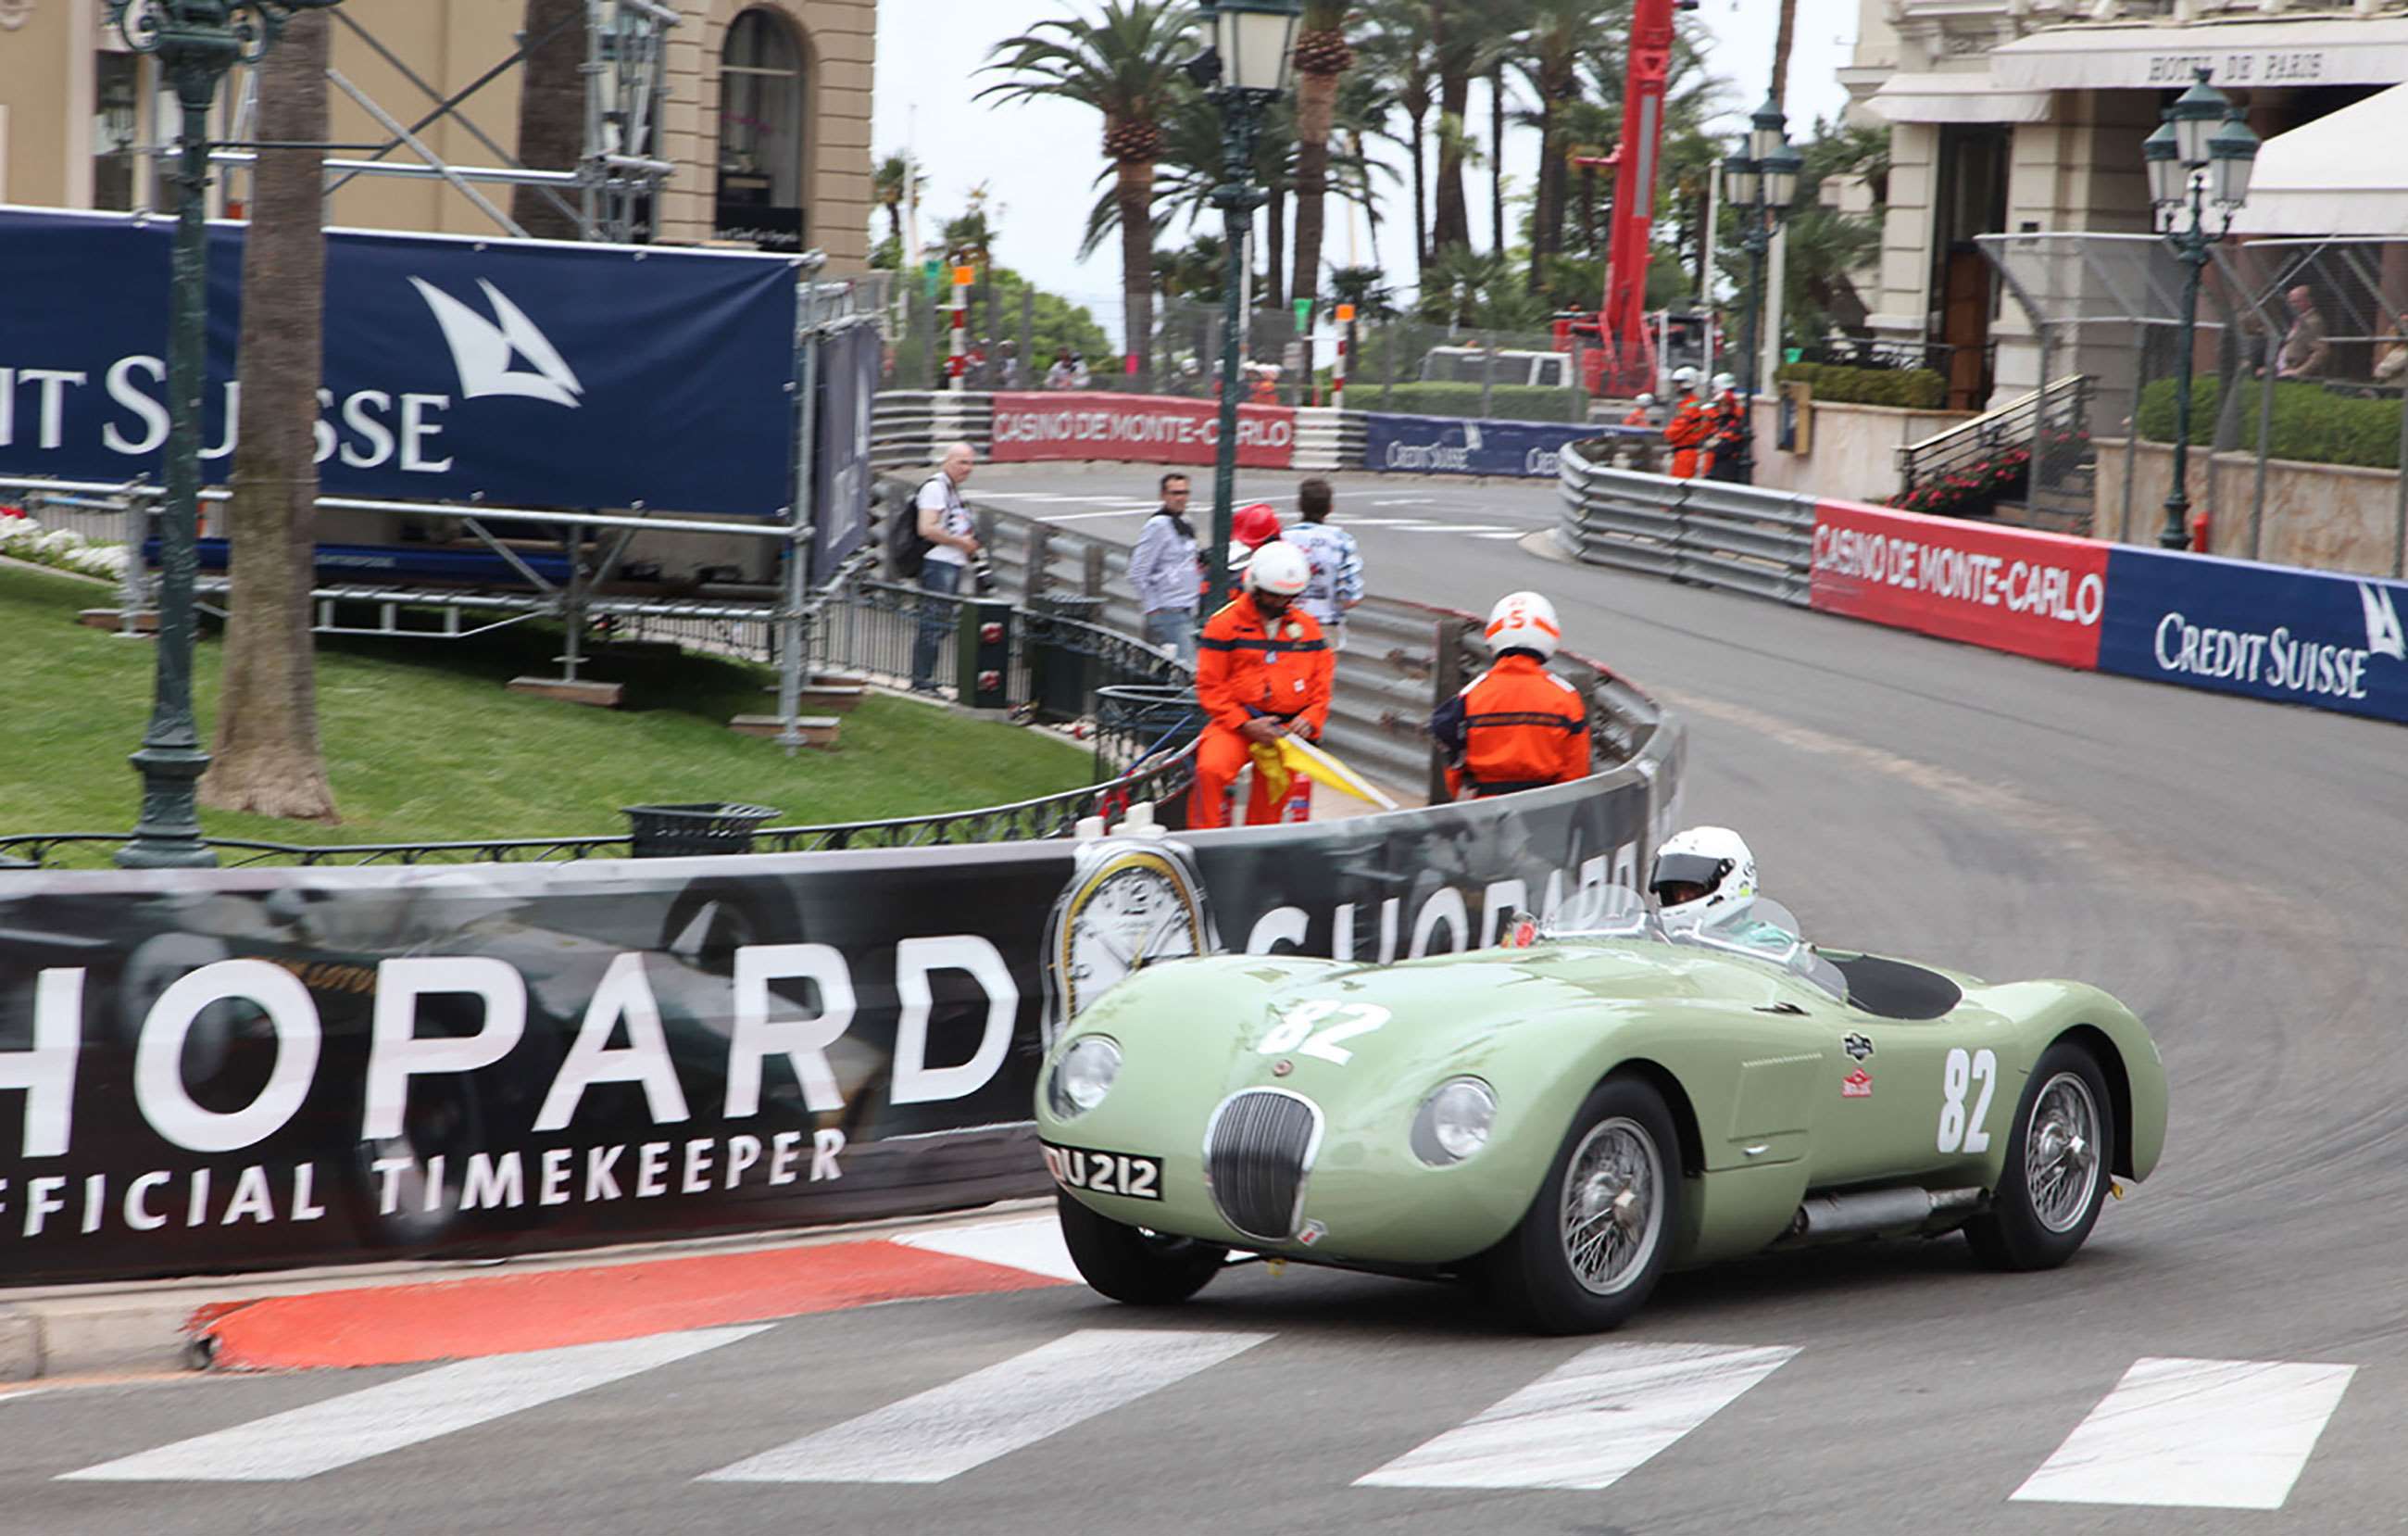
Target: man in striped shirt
x=1337, y=565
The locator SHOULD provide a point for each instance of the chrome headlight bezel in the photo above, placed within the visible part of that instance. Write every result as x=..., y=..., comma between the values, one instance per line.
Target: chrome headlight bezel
x=1094, y=1057
x=1455, y=1122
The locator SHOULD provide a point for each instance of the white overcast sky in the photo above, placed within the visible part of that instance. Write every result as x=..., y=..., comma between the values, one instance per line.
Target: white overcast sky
x=1040, y=160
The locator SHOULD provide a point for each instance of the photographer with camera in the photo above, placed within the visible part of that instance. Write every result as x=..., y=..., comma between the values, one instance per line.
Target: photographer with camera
x=945, y=526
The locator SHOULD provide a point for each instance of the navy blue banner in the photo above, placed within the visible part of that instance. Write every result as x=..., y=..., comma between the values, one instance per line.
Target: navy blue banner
x=2301, y=637
x=848, y=387
x=1444, y=445
x=524, y=373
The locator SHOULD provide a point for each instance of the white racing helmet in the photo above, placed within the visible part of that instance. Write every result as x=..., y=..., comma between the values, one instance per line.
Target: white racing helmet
x=1704, y=877
x=1524, y=620
x=1279, y=567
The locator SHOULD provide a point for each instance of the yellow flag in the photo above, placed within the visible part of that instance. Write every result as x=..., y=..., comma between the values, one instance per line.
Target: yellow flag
x=1302, y=757
x=1271, y=768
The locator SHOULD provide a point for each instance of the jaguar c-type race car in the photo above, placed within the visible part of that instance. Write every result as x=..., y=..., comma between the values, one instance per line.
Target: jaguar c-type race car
x=1561, y=1118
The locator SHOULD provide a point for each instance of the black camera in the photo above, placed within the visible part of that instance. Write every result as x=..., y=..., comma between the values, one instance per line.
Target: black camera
x=983, y=574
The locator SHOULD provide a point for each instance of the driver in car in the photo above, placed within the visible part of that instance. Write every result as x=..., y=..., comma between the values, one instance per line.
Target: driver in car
x=1704, y=885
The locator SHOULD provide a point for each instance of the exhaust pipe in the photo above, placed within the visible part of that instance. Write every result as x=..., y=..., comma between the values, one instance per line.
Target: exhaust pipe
x=1825, y=1216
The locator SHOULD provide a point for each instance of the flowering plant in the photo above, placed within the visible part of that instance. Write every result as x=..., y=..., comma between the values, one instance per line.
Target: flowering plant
x=23, y=538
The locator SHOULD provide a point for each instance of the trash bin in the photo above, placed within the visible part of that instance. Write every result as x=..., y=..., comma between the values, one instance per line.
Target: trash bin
x=1063, y=667
x=1138, y=720
x=680, y=831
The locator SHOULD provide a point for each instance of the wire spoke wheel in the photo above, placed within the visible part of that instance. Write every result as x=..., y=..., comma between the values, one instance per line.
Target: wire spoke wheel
x=1611, y=1216
x=2061, y=1152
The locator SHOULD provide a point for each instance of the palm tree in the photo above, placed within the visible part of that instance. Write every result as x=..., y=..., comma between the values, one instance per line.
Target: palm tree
x=1124, y=66
x=1785, y=33
x=551, y=113
x=266, y=758
x=1454, y=47
x=1397, y=51
x=1321, y=55
x=1557, y=28
x=897, y=180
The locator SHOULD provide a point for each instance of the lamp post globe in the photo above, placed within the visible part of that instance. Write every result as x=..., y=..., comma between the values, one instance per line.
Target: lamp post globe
x=196, y=42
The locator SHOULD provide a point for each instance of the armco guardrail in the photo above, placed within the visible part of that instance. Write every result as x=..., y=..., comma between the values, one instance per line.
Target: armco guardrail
x=1733, y=537
x=234, y=1071
x=2325, y=640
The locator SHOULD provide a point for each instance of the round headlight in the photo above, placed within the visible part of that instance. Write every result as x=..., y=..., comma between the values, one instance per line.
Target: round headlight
x=1455, y=1121
x=1085, y=1074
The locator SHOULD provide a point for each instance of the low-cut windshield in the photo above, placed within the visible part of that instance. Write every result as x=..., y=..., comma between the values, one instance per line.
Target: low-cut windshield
x=1769, y=932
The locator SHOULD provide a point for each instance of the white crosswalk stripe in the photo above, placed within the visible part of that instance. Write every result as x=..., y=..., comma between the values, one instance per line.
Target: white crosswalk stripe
x=307, y=1441
x=947, y=1431
x=1588, y=1422
x=1024, y=1242
x=2195, y=1434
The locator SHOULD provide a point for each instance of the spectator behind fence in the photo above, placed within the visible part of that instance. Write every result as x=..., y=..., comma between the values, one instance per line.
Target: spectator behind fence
x=1167, y=574
x=2391, y=358
x=2306, y=350
x=945, y=523
x=1337, y=564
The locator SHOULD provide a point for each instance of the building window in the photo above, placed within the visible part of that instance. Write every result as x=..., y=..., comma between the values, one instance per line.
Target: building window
x=116, y=132
x=761, y=95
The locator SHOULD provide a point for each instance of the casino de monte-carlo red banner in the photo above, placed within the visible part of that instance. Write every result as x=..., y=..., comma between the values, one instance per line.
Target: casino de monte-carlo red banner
x=2036, y=594
x=1137, y=429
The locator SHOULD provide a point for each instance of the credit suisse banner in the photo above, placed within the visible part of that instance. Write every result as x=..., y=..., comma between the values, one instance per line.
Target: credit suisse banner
x=2301, y=637
x=2008, y=589
x=524, y=373
x=1443, y=445
x=1136, y=429
x=224, y=1070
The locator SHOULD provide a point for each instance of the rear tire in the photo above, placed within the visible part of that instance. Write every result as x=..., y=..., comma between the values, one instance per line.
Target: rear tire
x=1596, y=1237
x=1134, y=1266
x=2057, y=1174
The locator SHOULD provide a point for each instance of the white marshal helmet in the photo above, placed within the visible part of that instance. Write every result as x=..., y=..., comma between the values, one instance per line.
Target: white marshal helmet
x=1645, y=400
x=1281, y=568
x=1704, y=877
x=1684, y=376
x=1524, y=620
x=1725, y=383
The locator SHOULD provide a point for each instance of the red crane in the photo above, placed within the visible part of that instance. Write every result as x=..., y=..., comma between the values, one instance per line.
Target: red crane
x=1629, y=362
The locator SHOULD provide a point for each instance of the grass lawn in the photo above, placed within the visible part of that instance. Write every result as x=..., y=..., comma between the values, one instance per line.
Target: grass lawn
x=424, y=744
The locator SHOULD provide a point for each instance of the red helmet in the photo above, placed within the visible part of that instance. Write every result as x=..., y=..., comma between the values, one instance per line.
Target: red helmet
x=1255, y=527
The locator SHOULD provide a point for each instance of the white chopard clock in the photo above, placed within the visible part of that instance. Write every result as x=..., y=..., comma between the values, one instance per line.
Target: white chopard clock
x=1131, y=903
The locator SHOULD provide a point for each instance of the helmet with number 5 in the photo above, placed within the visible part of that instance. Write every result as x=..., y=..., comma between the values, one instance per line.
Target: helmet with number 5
x=1704, y=877
x=1524, y=620
x=1279, y=567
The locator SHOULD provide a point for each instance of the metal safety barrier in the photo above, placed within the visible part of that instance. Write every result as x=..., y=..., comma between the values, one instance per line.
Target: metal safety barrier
x=1737, y=538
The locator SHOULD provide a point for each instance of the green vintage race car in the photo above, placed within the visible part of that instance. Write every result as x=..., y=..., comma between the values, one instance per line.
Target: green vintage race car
x=1561, y=1118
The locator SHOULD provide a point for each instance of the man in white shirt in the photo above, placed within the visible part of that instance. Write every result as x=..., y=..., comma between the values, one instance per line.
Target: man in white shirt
x=1337, y=565
x=1163, y=569
x=946, y=524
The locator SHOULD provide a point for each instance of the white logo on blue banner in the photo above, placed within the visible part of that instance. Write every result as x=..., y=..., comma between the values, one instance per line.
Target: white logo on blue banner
x=2382, y=636
x=482, y=349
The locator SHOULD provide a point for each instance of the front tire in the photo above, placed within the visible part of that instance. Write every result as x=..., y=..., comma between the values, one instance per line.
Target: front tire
x=1596, y=1237
x=1142, y=1268
x=2057, y=1174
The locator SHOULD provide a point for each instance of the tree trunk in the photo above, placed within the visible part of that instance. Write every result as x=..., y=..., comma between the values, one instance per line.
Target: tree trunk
x=552, y=115
x=1421, y=191
x=1451, y=227
x=1274, y=244
x=1135, y=187
x=1316, y=104
x=1784, y=35
x=1497, y=157
x=266, y=759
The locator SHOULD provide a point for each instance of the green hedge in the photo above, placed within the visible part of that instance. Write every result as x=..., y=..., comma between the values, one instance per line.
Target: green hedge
x=2311, y=423
x=1506, y=402
x=1835, y=384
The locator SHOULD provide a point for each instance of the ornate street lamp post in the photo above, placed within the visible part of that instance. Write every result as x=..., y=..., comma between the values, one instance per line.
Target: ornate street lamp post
x=1760, y=182
x=2202, y=153
x=1254, y=44
x=196, y=42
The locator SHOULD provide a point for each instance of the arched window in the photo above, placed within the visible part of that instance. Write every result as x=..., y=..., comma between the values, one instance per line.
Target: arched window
x=761, y=79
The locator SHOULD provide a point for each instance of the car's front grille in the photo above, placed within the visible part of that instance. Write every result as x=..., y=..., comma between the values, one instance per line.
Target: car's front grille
x=1256, y=1153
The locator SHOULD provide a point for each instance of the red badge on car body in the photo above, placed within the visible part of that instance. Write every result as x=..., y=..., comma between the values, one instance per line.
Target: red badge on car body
x=1856, y=1085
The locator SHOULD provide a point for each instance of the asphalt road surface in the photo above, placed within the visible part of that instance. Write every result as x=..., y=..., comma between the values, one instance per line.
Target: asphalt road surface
x=2228, y=1354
